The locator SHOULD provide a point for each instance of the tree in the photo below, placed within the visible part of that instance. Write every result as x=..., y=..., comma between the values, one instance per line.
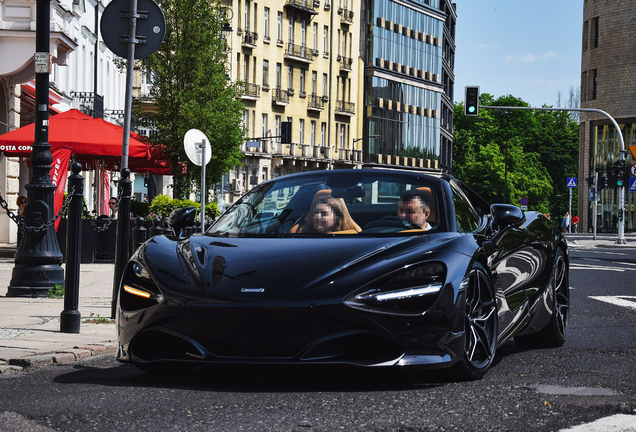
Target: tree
x=190, y=89
x=506, y=155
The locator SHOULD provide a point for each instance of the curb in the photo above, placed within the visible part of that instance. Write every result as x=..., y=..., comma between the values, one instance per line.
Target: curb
x=77, y=353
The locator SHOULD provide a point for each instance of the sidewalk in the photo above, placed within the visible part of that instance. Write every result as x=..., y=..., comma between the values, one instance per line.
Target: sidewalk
x=30, y=327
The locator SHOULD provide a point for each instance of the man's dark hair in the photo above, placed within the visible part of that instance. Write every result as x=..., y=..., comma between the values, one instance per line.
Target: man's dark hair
x=422, y=194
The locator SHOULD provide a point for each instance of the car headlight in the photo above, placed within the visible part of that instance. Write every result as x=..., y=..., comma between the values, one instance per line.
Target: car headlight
x=410, y=290
x=138, y=290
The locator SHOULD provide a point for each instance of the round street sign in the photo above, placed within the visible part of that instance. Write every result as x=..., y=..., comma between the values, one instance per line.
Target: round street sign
x=115, y=27
x=633, y=170
x=523, y=201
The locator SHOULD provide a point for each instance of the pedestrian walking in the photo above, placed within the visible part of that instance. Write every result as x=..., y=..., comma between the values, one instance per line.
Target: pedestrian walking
x=575, y=223
x=565, y=223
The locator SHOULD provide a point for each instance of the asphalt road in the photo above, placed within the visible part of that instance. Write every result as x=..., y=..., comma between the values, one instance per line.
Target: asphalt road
x=591, y=378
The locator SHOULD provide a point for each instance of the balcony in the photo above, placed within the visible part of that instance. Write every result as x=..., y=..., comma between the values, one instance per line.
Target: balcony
x=315, y=103
x=345, y=108
x=346, y=16
x=300, y=53
x=249, y=39
x=301, y=7
x=250, y=91
x=345, y=63
x=280, y=97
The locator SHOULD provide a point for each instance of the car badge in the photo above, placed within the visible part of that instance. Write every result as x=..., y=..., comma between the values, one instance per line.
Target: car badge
x=252, y=290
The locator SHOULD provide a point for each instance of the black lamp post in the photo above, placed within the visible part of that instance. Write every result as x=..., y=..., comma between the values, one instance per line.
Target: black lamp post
x=38, y=257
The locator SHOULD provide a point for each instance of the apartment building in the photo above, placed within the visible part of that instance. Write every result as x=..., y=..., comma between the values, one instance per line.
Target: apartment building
x=608, y=73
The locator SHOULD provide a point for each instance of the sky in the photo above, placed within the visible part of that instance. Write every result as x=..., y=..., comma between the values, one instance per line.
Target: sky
x=530, y=49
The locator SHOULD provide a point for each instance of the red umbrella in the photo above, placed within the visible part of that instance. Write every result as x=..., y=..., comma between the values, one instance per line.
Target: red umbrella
x=89, y=138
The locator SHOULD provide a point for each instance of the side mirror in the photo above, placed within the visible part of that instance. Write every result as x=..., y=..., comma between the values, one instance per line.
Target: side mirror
x=180, y=219
x=506, y=215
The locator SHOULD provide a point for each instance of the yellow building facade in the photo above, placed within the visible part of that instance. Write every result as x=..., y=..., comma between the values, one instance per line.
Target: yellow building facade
x=297, y=61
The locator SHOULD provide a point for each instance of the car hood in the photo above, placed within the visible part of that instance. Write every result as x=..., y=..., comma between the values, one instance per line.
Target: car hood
x=284, y=267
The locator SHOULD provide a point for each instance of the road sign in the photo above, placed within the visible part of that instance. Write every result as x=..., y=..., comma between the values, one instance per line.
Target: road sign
x=633, y=150
x=632, y=170
x=632, y=184
x=151, y=27
x=523, y=201
x=571, y=182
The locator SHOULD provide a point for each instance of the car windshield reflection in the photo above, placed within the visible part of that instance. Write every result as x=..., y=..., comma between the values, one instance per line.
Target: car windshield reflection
x=334, y=205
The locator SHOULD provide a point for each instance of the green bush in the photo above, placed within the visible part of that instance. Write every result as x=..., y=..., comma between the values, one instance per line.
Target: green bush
x=163, y=205
x=139, y=208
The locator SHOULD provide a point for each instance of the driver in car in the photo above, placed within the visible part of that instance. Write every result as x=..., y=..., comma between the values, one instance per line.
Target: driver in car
x=414, y=208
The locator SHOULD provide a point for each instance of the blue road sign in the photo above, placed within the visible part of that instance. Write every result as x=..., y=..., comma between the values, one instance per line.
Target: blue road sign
x=632, y=184
x=571, y=181
x=523, y=201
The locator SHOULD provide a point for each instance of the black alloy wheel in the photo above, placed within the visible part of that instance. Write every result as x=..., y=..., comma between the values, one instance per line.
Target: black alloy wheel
x=554, y=334
x=481, y=325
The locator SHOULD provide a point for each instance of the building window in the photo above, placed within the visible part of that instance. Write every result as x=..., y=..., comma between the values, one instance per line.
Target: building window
x=290, y=79
x=312, y=133
x=342, y=135
x=325, y=40
x=303, y=33
x=279, y=73
x=593, y=83
x=264, y=126
x=315, y=44
x=595, y=31
x=324, y=85
x=277, y=122
x=323, y=134
x=279, y=27
x=586, y=35
x=314, y=82
x=302, y=81
x=301, y=131
x=266, y=23
x=291, y=29
x=265, y=73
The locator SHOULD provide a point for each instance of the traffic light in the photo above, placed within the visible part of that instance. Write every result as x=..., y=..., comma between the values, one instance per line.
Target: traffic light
x=621, y=173
x=471, y=101
x=602, y=183
x=286, y=132
x=620, y=214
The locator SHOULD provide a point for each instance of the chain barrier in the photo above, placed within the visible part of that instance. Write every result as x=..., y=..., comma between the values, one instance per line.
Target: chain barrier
x=40, y=228
x=87, y=216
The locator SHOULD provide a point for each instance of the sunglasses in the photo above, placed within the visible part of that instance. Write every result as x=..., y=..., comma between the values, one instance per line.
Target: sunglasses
x=111, y=203
x=22, y=202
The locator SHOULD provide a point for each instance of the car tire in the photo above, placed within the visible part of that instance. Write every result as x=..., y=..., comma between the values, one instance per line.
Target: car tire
x=554, y=334
x=480, y=319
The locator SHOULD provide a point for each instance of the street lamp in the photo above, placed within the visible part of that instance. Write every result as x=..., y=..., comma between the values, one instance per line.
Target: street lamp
x=38, y=257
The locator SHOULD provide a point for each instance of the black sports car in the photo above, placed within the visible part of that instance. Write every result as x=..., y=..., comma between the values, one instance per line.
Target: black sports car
x=366, y=267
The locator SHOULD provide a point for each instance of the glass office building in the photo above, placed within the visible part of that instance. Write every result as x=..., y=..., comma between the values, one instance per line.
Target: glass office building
x=409, y=59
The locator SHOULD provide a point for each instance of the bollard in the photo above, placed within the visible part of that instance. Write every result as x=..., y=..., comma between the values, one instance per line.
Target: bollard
x=156, y=227
x=71, y=317
x=140, y=233
x=122, y=246
x=166, y=228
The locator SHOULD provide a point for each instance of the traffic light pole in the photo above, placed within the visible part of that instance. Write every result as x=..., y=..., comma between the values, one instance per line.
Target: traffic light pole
x=621, y=189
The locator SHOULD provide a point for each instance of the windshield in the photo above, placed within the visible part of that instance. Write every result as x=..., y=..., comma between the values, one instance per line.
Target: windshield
x=339, y=202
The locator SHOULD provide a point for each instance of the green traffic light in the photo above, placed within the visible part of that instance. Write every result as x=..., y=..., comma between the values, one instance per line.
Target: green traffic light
x=619, y=183
x=471, y=109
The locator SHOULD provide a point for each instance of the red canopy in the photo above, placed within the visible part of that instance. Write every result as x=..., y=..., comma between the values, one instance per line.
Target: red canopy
x=90, y=139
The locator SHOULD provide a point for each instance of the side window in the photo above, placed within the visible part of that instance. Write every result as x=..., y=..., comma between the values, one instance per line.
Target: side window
x=468, y=219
